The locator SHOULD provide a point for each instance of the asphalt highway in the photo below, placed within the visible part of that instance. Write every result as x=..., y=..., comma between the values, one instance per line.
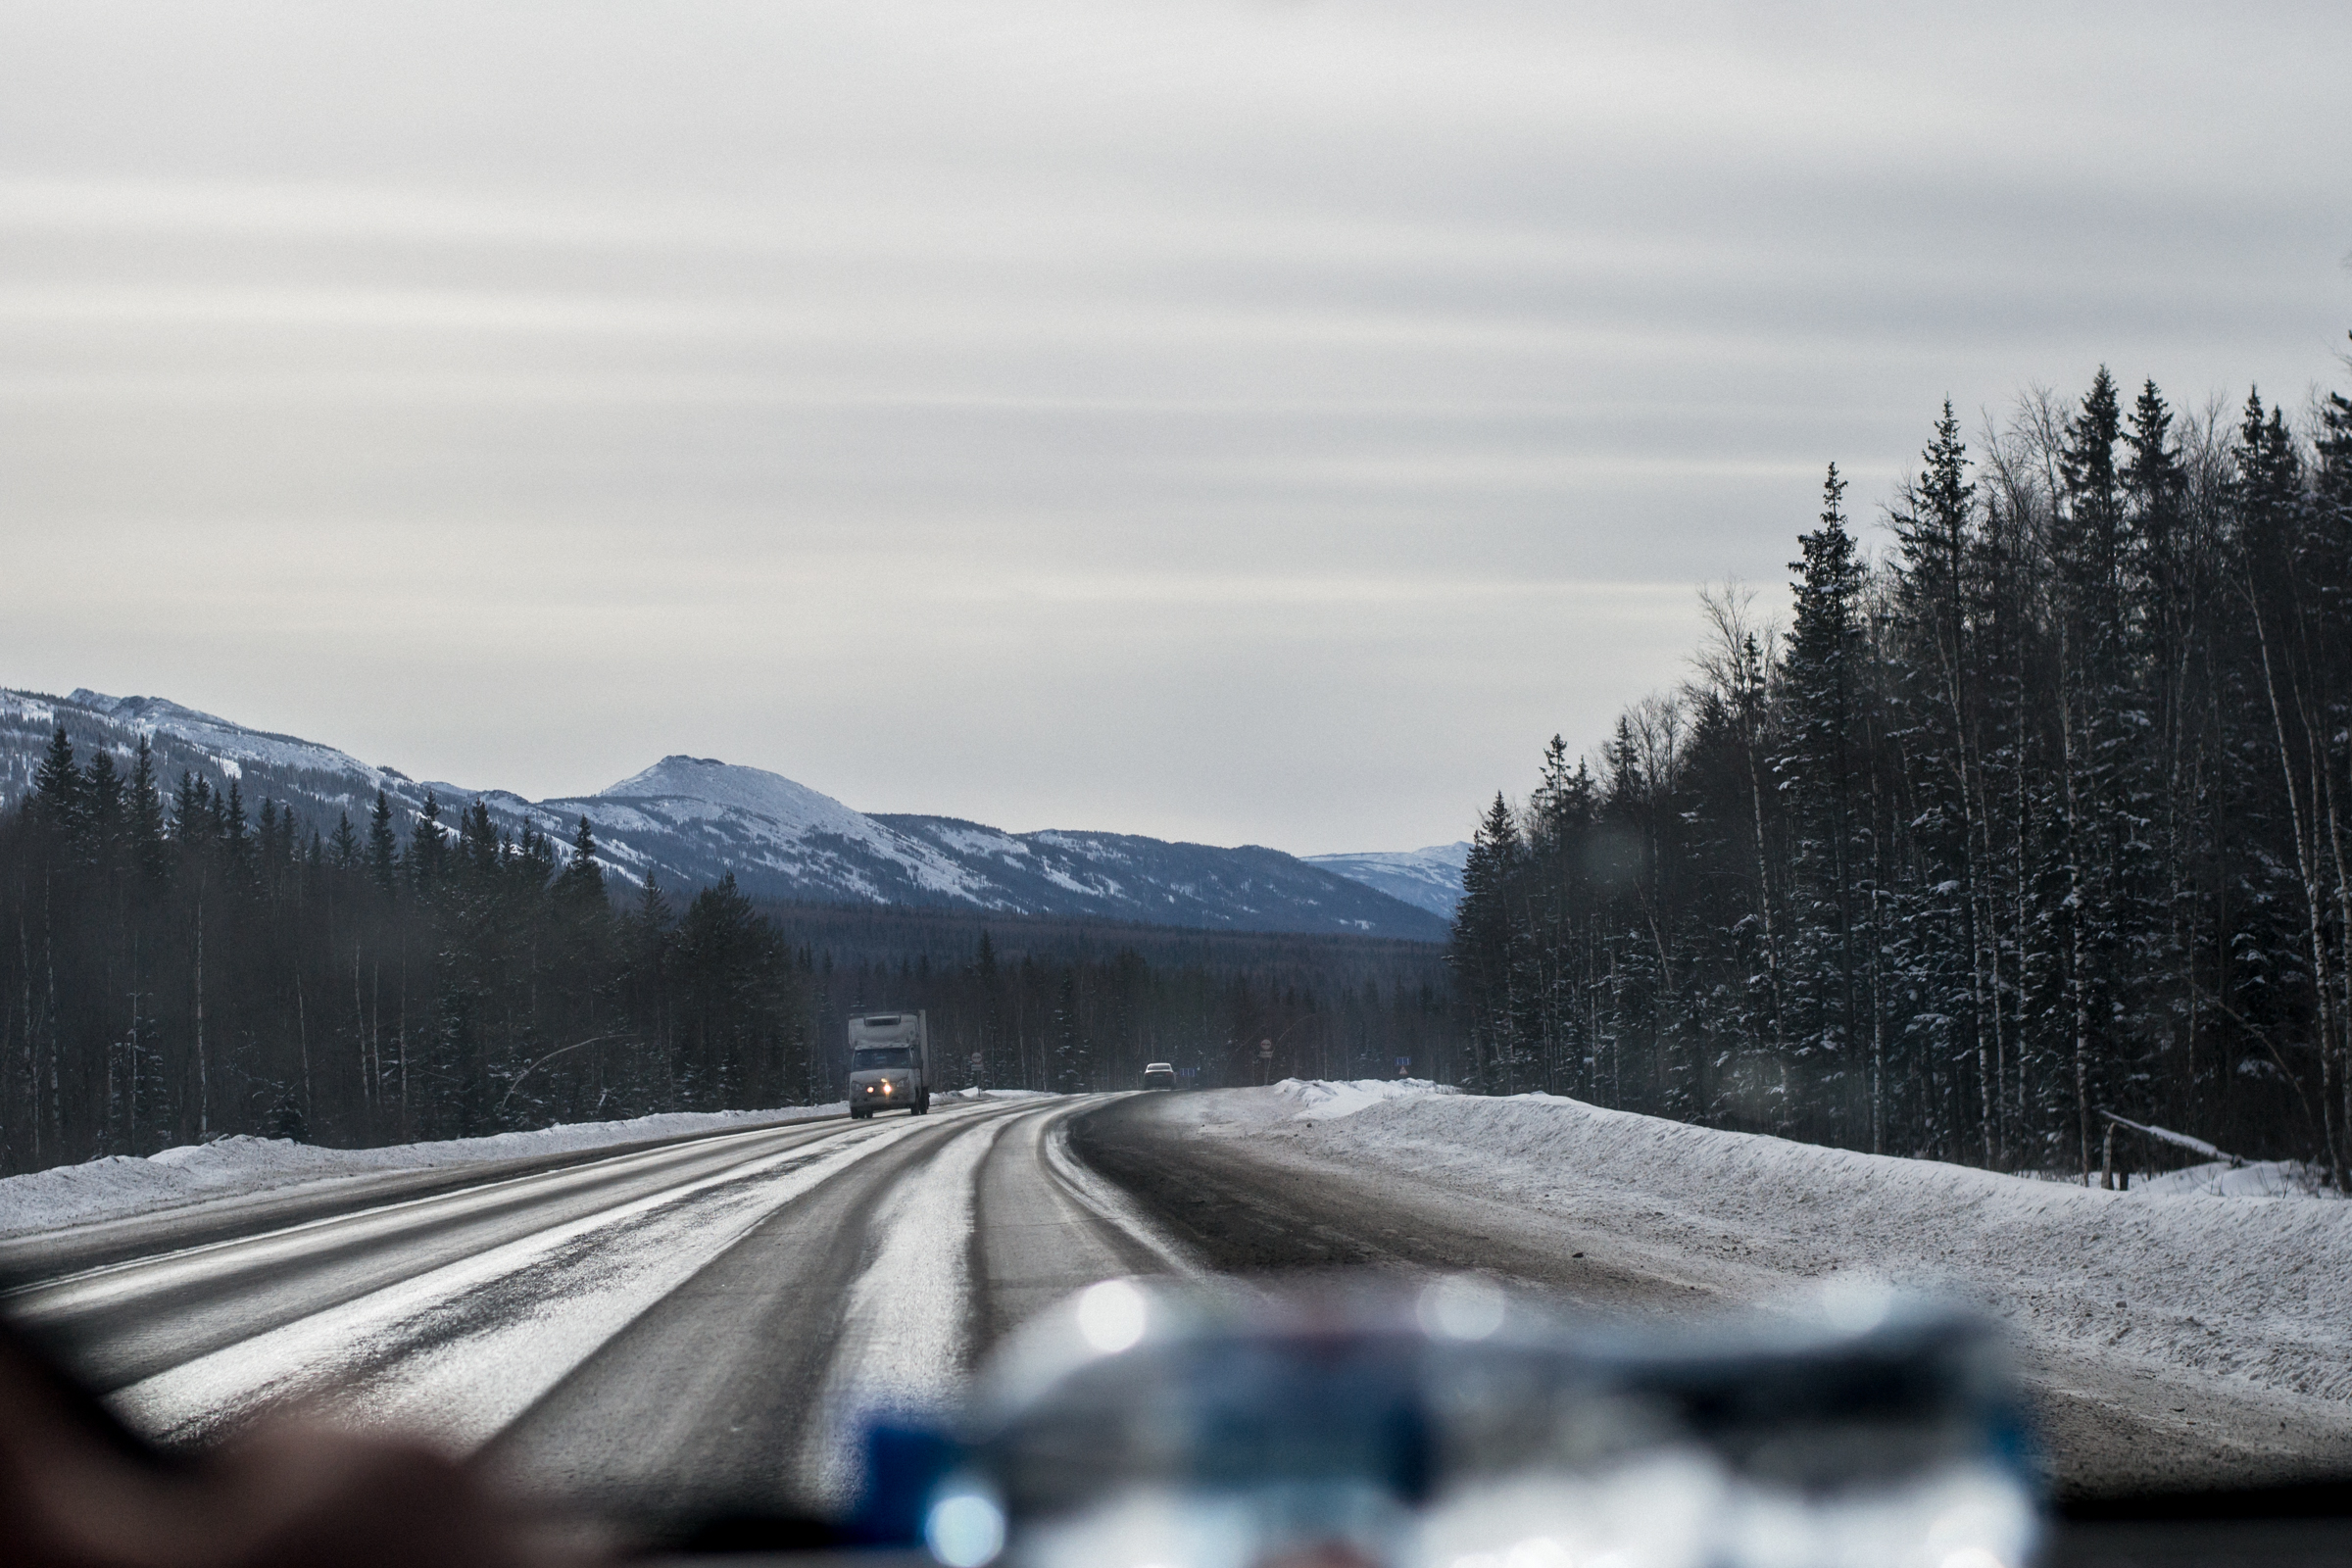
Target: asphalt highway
x=690, y=1327
x=671, y=1330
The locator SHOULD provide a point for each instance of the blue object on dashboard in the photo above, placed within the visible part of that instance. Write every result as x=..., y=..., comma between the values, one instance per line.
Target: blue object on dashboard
x=1448, y=1424
x=904, y=1466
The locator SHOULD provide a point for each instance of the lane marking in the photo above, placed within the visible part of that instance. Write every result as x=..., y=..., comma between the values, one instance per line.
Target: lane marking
x=129, y=1328
x=160, y=1270
x=906, y=1324
x=462, y=1350
x=1109, y=1205
x=910, y=1320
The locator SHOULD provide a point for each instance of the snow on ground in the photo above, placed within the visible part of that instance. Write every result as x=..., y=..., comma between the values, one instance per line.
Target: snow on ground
x=906, y=1324
x=124, y=1184
x=2166, y=1275
x=1326, y=1101
x=2266, y=1178
x=460, y=1350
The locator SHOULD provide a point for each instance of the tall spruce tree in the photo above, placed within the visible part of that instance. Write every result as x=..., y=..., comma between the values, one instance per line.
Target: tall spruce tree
x=582, y=881
x=384, y=846
x=1821, y=775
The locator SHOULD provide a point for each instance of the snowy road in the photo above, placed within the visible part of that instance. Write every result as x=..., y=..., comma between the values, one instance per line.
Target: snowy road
x=667, y=1327
x=695, y=1325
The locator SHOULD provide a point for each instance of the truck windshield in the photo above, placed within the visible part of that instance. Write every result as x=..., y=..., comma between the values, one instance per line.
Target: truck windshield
x=873, y=1057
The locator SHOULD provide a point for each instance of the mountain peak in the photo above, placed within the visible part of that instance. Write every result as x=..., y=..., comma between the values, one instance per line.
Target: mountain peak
x=147, y=711
x=732, y=786
x=689, y=820
x=1429, y=878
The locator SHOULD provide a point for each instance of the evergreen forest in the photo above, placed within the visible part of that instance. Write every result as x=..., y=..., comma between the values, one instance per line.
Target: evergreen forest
x=2022, y=836
x=179, y=966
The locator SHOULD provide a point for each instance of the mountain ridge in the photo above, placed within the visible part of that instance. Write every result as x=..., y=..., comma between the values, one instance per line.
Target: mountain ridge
x=688, y=820
x=1428, y=878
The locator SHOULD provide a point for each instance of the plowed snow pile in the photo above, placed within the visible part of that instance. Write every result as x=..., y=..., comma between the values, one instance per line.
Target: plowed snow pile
x=2250, y=1287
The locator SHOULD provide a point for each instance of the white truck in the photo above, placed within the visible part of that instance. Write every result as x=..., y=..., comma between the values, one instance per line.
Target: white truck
x=890, y=1063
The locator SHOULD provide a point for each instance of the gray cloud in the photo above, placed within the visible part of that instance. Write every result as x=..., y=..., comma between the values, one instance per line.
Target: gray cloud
x=1235, y=421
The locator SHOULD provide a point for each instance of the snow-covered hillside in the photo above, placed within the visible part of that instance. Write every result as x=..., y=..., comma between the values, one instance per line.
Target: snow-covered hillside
x=1426, y=879
x=688, y=820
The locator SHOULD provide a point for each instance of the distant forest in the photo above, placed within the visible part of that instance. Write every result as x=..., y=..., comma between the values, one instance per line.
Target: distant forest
x=2030, y=824
x=176, y=968
x=1047, y=1002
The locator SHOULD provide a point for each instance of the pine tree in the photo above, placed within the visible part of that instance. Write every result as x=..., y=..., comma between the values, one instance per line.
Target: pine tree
x=2172, y=590
x=721, y=954
x=2331, y=474
x=265, y=834
x=429, y=848
x=236, y=840
x=145, y=807
x=653, y=907
x=192, y=810
x=1819, y=771
x=2268, y=498
x=343, y=852
x=104, y=822
x=383, y=847
x=1488, y=938
x=582, y=882
x=480, y=847
x=57, y=791
x=1947, y=958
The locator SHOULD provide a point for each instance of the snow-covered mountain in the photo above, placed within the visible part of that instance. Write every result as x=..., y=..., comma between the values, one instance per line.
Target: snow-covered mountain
x=1427, y=879
x=688, y=820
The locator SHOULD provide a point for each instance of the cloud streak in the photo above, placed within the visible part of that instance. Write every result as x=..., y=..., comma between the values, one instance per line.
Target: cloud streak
x=1232, y=422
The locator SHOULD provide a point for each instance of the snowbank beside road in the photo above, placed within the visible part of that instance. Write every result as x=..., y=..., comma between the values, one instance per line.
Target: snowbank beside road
x=124, y=1184
x=2263, y=1178
x=2225, y=1286
x=1326, y=1101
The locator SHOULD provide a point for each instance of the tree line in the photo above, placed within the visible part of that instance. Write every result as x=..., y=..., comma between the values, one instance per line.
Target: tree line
x=2030, y=823
x=177, y=967
x=1088, y=1021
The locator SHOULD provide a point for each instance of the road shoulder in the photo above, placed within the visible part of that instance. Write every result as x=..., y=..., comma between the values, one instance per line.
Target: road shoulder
x=1244, y=1187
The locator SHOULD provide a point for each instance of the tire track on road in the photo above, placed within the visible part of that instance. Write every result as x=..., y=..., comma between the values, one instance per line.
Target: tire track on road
x=458, y=1351
x=666, y=1331
x=127, y=1320
x=749, y=1386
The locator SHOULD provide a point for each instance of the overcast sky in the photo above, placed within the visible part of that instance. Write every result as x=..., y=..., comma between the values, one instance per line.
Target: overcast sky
x=1245, y=423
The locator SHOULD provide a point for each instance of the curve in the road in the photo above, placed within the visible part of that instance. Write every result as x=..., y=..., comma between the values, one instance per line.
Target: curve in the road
x=876, y=1293
x=687, y=1327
